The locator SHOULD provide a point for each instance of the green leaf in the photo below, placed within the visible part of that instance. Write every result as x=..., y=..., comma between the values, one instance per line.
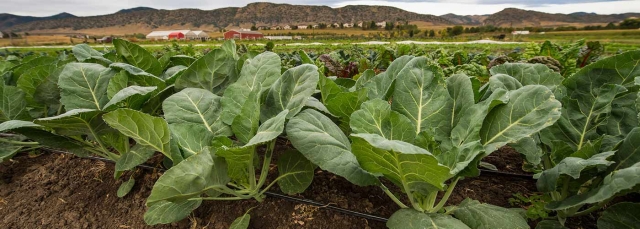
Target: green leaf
x=400, y=162
x=164, y=212
x=291, y=91
x=305, y=58
x=550, y=224
x=32, y=78
x=376, y=117
x=316, y=104
x=192, y=138
x=571, y=166
x=117, y=83
x=269, y=130
x=84, y=86
x=145, y=129
x=618, y=182
x=245, y=124
x=84, y=52
x=628, y=153
x=173, y=73
x=412, y=219
x=238, y=159
x=421, y=97
x=47, y=92
x=343, y=104
x=381, y=86
x=241, y=222
x=76, y=122
x=27, y=65
x=533, y=74
x=131, y=97
x=137, y=56
x=324, y=144
x=198, y=106
x=190, y=178
x=620, y=216
x=182, y=60
x=364, y=78
x=8, y=150
x=13, y=105
x=14, y=124
x=529, y=110
x=208, y=72
x=137, y=155
x=477, y=215
x=505, y=82
x=529, y=148
x=126, y=187
x=137, y=76
x=296, y=172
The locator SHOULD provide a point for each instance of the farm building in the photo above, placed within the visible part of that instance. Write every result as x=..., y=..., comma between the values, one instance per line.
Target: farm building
x=243, y=35
x=347, y=25
x=381, y=24
x=164, y=35
x=1, y=35
x=201, y=35
x=176, y=35
x=302, y=27
x=278, y=37
x=286, y=27
x=525, y=32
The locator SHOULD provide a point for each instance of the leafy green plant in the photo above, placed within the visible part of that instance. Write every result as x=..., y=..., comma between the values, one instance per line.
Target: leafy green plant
x=535, y=205
x=434, y=130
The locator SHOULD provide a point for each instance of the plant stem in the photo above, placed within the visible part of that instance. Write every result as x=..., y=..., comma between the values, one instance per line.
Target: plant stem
x=431, y=200
x=411, y=199
x=252, y=170
x=392, y=196
x=217, y=198
x=19, y=142
x=565, y=189
x=59, y=109
x=266, y=163
x=446, y=196
x=592, y=208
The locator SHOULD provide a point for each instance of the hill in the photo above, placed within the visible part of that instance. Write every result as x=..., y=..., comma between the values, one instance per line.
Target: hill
x=254, y=13
x=519, y=18
x=9, y=20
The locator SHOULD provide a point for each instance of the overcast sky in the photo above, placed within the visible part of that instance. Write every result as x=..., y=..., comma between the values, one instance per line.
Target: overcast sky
x=436, y=7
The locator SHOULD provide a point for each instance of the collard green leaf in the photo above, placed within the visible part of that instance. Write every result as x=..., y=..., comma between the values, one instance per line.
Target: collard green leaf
x=571, y=166
x=620, y=216
x=76, y=122
x=619, y=182
x=131, y=97
x=245, y=124
x=324, y=144
x=291, y=91
x=47, y=92
x=84, y=52
x=530, y=109
x=172, y=74
x=400, y=162
x=137, y=56
x=13, y=104
x=164, y=212
x=238, y=159
x=208, y=72
x=182, y=60
x=381, y=85
x=145, y=129
x=505, y=82
x=8, y=150
x=194, y=105
x=421, y=97
x=137, y=155
x=629, y=152
x=14, y=124
x=296, y=172
x=376, y=117
x=269, y=130
x=29, y=64
x=241, y=222
x=477, y=215
x=529, y=148
x=118, y=82
x=192, y=138
x=32, y=78
x=84, y=86
x=125, y=187
x=550, y=224
x=316, y=104
x=364, y=79
x=412, y=219
x=190, y=178
x=343, y=104
x=533, y=74
x=137, y=76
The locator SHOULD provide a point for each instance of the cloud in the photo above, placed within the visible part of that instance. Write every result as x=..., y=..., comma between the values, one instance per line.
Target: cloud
x=436, y=7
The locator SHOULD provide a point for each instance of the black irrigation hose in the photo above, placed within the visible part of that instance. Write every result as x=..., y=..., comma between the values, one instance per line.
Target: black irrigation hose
x=270, y=194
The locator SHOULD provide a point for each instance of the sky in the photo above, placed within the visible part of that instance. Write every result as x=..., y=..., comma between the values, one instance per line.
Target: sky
x=435, y=7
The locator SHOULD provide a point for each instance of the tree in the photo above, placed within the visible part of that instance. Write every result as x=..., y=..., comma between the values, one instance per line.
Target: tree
x=432, y=33
x=254, y=28
x=456, y=30
x=373, y=25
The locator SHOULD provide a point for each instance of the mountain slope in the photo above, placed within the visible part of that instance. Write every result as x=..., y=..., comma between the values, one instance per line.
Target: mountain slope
x=9, y=20
x=517, y=18
x=258, y=13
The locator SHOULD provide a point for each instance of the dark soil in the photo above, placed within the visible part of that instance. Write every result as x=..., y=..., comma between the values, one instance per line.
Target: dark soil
x=63, y=191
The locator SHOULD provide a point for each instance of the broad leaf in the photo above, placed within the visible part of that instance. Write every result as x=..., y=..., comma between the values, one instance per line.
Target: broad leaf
x=533, y=74
x=192, y=138
x=84, y=86
x=172, y=74
x=137, y=76
x=164, y=212
x=571, y=166
x=291, y=91
x=381, y=85
x=198, y=106
x=550, y=224
x=412, y=219
x=400, y=162
x=343, y=104
x=208, y=72
x=31, y=79
x=629, y=152
x=137, y=155
x=76, y=122
x=13, y=105
x=190, y=178
x=324, y=144
x=296, y=172
x=84, y=52
x=241, y=222
x=131, y=97
x=125, y=187
x=376, y=117
x=145, y=129
x=137, y=56
x=245, y=124
x=477, y=215
x=269, y=130
x=14, y=124
x=620, y=216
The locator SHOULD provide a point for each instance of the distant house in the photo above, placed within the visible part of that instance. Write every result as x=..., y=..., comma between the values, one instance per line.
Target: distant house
x=201, y=34
x=347, y=25
x=278, y=37
x=381, y=24
x=1, y=35
x=264, y=27
x=286, y=27
x=314, y=26
x=190, y=35
x=360, y=24
x=176, y=35
x=242, y=35
x=164, y=35
x=524, y=32
x=336, y=25
x=302, y=27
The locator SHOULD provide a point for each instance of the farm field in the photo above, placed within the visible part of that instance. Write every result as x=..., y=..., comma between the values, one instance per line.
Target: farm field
x=539, y=133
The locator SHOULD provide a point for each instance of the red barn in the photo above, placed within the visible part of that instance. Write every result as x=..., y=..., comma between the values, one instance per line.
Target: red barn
x=243, y=35
x=176, y=35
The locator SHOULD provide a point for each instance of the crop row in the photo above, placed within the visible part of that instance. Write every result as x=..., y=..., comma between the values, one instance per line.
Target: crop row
x=419, y=125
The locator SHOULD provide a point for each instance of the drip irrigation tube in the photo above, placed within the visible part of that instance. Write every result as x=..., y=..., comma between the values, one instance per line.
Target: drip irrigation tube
x=269, y=194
